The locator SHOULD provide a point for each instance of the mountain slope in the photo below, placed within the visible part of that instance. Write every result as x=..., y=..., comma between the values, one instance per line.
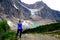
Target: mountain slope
x=38, y=13
x=21, y=10
x=44, y=11
x=9, y=8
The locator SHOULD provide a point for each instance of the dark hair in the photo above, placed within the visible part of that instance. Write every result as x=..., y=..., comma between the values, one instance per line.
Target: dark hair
x=19, y=20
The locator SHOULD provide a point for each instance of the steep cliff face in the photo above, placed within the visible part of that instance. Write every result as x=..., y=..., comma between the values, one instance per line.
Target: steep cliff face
x=13, y=8
x=48, y=13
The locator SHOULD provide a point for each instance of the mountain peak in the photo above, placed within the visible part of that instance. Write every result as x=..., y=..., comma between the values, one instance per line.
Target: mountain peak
x=39, y=2
x=36, y=5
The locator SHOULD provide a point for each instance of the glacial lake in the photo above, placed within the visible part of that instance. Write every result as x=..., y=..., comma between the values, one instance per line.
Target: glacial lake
x=35, y=25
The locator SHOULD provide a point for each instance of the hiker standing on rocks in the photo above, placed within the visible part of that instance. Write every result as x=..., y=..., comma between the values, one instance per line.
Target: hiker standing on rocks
x=19, y=30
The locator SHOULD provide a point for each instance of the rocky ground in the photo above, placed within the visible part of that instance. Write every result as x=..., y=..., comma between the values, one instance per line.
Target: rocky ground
x=37, y=37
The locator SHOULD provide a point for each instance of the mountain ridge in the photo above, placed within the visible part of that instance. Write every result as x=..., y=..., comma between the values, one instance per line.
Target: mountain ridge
x=15, y=9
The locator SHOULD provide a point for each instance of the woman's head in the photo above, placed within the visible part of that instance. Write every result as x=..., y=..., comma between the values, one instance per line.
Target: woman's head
x=19, y=20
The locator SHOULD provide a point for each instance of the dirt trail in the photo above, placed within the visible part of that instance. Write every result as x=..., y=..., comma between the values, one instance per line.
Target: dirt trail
x=37, y=37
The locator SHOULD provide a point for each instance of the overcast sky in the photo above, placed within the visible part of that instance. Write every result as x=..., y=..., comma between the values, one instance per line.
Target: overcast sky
x=53, y=4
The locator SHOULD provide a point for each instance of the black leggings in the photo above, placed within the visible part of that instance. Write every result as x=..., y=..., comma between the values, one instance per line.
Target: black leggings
x=19, y=31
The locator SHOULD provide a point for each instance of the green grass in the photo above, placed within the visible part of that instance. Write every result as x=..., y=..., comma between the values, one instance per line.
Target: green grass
x=8, y=36
x=44, y=28
x=56, y=32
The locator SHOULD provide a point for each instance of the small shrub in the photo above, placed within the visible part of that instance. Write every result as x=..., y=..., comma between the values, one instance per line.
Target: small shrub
x=5, y=32
x=4, y=26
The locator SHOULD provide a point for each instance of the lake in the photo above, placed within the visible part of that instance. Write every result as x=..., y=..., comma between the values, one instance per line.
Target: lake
x=34, y=25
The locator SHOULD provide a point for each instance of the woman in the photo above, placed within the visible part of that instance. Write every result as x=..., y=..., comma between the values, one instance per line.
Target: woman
x=19, y=30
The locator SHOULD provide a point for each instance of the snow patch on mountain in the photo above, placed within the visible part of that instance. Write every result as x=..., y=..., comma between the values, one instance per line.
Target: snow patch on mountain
x=11, y=24
x=16, y=6
x=33, y=11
